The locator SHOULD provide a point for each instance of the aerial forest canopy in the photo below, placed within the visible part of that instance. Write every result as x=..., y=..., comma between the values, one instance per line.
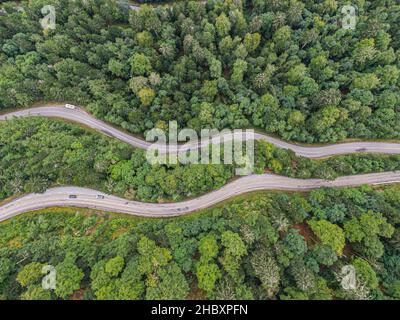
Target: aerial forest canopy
x=286, y=67
x=268, y=246
x=38, y=153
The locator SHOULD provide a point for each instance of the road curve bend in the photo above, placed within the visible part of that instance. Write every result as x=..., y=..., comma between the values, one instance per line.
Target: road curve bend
x=80, y=116
x=88, y=198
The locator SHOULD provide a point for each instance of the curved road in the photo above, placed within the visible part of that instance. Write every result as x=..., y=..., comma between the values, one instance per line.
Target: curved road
x=82, y=117
x=87, y=198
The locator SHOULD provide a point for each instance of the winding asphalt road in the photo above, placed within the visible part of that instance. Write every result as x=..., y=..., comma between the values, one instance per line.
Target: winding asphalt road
x=90, y=198
x=87, y=198
x=82, y=117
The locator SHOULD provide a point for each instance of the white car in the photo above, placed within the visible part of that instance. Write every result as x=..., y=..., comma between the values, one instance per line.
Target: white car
x=70, y=106
x=100, y=196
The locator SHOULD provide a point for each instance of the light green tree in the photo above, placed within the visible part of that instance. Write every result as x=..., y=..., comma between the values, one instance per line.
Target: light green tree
x=329, y=234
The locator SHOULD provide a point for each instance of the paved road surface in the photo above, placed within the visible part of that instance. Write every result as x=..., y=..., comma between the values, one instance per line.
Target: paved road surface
x=87, y=198
x=82, y=117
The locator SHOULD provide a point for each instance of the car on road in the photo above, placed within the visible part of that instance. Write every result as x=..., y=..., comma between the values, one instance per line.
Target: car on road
x=100, y=196
x=73, y=196
x=70, y=106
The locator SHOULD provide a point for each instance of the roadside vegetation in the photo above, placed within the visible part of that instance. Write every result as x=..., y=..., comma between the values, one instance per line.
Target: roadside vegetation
x=263, y=246
x=37, y=153
x=287, y=67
